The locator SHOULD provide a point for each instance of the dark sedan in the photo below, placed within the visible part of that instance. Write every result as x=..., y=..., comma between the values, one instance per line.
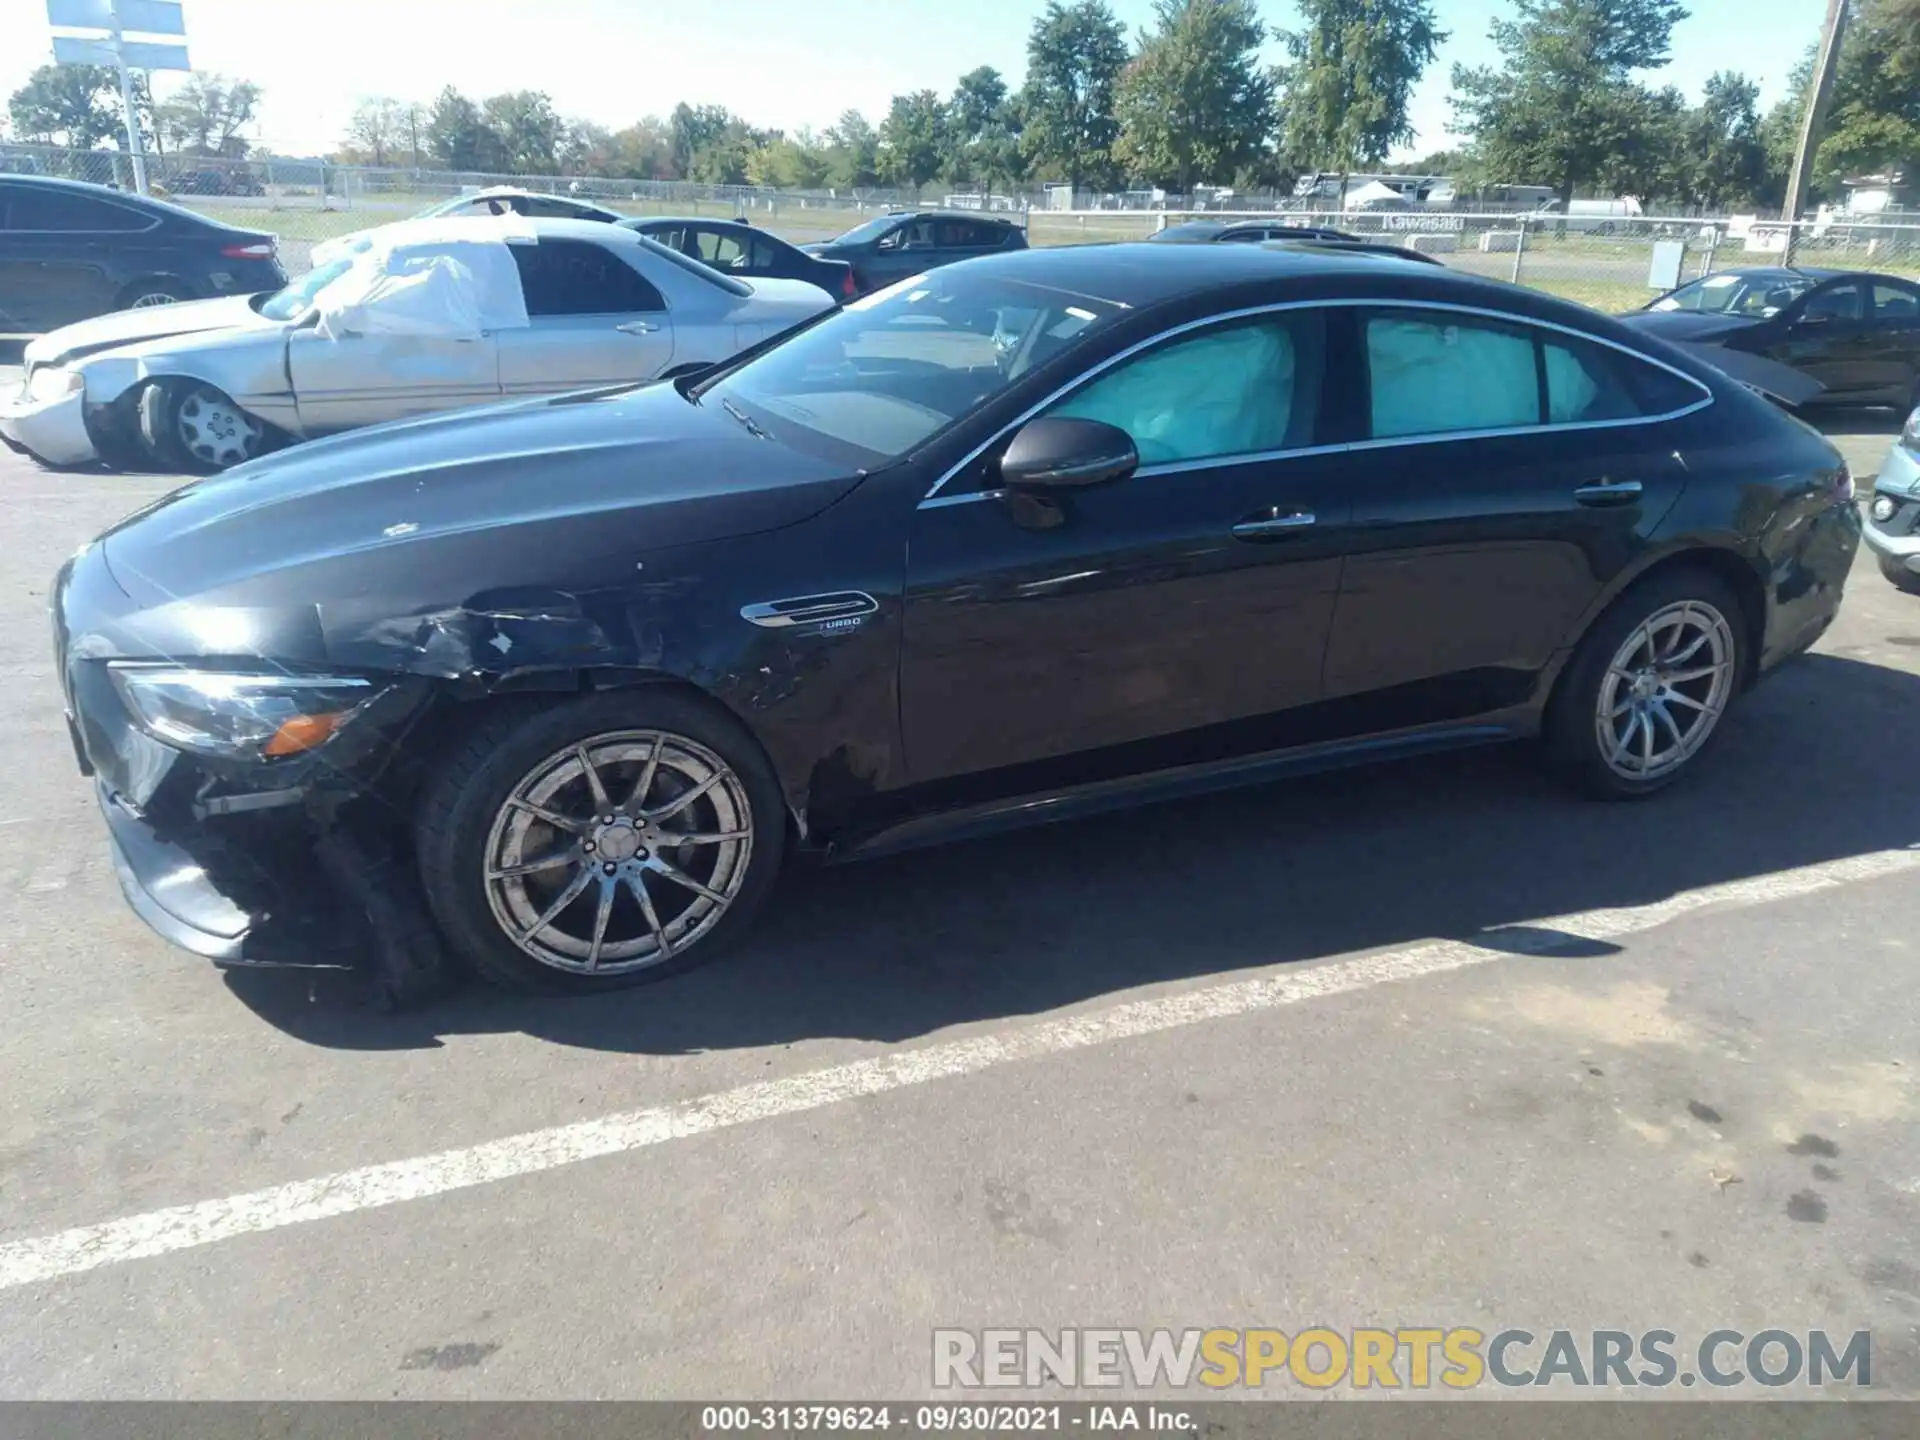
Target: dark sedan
x=899, y=244
x=1044, y=533
x=734, y=247
x=70, y=251
x=1798, y=334
x=1245, y=232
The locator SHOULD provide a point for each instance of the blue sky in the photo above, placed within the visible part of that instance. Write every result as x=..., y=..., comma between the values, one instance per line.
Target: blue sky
x=783, y=63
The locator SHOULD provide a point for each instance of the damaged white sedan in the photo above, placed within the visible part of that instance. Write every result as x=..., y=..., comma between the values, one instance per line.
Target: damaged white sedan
x=417, y=317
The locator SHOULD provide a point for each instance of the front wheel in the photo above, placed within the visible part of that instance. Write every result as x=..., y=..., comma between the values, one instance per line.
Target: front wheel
x=602, y=843
x=189, y=425
x=1648, y=687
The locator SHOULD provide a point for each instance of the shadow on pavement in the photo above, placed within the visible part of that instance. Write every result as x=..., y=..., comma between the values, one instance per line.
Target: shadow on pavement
x=894, y=949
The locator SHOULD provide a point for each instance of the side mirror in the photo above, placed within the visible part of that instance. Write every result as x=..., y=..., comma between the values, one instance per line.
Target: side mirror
x=1059, y=454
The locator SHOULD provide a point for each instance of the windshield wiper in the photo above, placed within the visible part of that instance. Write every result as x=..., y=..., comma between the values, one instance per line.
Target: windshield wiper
x=745, y=419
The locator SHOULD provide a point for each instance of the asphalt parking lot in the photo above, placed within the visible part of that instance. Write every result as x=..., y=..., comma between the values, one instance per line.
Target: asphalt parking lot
x=1432, y=1044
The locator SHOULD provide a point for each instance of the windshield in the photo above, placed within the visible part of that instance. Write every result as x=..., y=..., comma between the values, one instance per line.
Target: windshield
x=883, y=375
x=1760, y=295
x=866, y=230
x=296, y=299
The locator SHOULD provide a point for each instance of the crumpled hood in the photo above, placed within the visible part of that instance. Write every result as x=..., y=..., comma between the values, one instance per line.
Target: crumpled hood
x=1689, y=326
x=133, y=327
x=465, y=500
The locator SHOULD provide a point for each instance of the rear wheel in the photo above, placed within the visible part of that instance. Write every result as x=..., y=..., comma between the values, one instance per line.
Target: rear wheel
x=1645, y=692
x=145, y=294
x=602, y=843
x=190, y=425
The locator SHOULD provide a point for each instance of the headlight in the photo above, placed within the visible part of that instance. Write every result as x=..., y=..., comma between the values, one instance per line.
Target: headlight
x=239, y=717
x=1910, y=433
x=52, y=382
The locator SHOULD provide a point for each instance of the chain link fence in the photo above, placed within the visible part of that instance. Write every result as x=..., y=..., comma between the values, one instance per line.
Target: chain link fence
x=1610, y=263
x=1606, y=261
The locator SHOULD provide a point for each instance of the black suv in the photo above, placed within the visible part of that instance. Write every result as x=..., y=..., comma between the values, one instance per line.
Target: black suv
x=70, y=251
x=900, y=243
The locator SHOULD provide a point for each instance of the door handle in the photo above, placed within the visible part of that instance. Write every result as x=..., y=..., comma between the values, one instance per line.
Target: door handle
x=637, y=327
x=1608, y=492
x=1272, y=525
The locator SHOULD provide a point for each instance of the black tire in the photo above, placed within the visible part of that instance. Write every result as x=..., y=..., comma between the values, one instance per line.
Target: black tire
x=156, y=291
x=1572, y=728
x=163, y=405
x=1898, y=575
x=466, y=801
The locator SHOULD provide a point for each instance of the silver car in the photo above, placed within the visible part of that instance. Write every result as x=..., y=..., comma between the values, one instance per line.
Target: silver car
x=416, y=317
x=1892, y=530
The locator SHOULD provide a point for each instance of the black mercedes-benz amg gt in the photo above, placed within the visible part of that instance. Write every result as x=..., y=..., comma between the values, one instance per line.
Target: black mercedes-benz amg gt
x=559, y=685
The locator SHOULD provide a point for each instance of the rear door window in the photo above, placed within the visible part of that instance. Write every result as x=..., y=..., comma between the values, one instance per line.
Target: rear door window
x=1437, y=373
x=1836, y=302
x=1900, y=303
x=577, y=277
x=720, y=248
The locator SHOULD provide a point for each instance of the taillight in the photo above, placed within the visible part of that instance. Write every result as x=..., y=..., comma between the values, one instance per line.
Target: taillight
x=849, y=286
x=256, y=250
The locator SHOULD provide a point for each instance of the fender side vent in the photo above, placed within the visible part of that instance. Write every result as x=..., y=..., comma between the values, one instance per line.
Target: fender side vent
x=810, y=609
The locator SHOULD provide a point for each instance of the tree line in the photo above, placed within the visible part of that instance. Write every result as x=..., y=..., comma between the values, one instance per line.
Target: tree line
x=1188, y=101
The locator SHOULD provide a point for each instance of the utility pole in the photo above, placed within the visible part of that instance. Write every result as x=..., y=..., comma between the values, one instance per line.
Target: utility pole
x=1824, y=67
x=126, y=102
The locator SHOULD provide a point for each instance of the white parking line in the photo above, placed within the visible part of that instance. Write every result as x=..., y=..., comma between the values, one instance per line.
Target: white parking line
x=182, y=1227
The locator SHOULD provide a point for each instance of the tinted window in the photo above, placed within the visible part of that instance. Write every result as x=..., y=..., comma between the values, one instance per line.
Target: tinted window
x=30, y=208
x=1836, y=302
x=1244, y=237
x=1238, y=389
x=671, y=236
x=1431, y=376
x=966, y=235
x=914, y=235
x=718, y=247
x=577, y=277
x=1895, y=302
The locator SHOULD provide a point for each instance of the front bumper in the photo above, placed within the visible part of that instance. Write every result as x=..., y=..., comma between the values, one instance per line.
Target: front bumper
x=1896, y=537
x=52, y=431
x=242, y=897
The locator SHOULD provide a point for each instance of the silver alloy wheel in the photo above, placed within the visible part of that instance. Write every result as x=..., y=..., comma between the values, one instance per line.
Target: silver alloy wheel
x=215, y=430
x=151, y=299
x=1665, y=690
x=618, y=852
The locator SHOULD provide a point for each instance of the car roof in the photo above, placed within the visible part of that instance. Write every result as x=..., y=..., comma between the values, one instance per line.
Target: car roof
x=635, y=222
x=991, y=219
x=1324, y=246
x=125, y=197
x=1140, y=273
x=1143, y=276
x=1778, y=272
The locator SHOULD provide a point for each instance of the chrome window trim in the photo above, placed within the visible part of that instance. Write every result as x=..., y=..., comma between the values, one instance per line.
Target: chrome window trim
x=933, y=498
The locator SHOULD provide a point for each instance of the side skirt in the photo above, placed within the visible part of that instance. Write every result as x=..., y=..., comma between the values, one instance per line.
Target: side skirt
x=1179, y=782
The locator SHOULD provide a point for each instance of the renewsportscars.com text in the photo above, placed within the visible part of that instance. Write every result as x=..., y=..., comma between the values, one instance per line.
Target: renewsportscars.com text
x=1413, y=1358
